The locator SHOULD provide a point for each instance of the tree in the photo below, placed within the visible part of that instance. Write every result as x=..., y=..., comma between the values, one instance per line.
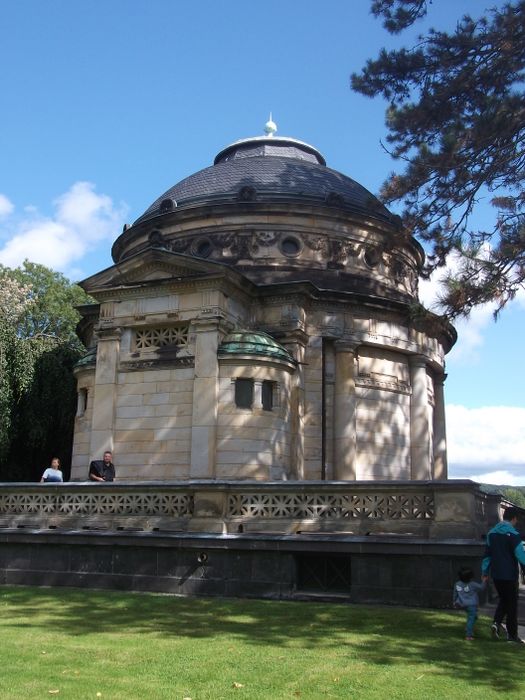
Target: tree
x=515, y=495
x=15, y=365
x=456, y=118
x=52, y=298
x=38, y=350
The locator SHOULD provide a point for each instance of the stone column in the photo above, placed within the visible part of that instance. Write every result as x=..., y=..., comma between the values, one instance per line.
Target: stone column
x=205, y=399
x=440, y=433
x=419, y=420
x=104, y=393
x=345, y=405
x=295, y=342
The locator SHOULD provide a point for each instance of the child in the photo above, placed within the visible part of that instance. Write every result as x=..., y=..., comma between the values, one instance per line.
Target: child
x=53, y=473
x=466, y=596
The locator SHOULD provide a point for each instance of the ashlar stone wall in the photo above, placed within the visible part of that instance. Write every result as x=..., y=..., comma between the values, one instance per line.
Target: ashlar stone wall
x=253, y=443
x=153, y=423
x=383, y=414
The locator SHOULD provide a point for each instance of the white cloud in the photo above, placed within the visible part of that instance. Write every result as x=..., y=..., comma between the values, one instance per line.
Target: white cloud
x=500, y=477
x=6, y=206
x=470, y=330
x=82, y=218
x=488, y=441
x=471, y=334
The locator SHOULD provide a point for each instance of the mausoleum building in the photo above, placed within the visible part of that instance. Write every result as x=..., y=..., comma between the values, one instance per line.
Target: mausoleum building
x=261, y=322
x=272, y=390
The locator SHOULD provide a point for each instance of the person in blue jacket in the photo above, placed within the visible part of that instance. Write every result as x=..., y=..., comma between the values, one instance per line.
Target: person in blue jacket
x=503, y=554
x=466, y=596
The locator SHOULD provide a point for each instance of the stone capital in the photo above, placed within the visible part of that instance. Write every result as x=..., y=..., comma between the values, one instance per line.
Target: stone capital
x=112, y=333
x=349, y=346
x=440, y=378
x=207, y=325
x=417, y=361
x=294, y=336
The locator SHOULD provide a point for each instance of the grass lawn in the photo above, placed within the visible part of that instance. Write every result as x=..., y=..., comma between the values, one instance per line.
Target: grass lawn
x=70, y=643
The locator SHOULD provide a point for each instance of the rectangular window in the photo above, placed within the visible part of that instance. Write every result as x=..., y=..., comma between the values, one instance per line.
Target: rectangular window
x=267, y=395
x=324, y=573
x=244, y=393
x=82, y=398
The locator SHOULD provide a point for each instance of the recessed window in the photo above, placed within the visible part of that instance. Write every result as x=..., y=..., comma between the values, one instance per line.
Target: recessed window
x=244, y=393
x=372, y=257
x=333, y=199
x=247, y=194
x=290, y=246
x=167, y=205
x=324, y=573
x=82, y=399
x=267, y=395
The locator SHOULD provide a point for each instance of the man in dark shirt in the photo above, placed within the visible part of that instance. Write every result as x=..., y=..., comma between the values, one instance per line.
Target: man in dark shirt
x=102, y=469
x=503, y=554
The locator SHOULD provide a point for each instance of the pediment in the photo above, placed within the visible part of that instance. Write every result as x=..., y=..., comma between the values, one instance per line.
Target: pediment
x=150, y=266
x=153, y=271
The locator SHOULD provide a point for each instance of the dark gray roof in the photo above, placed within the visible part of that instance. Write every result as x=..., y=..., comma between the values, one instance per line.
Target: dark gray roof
x=268, y=171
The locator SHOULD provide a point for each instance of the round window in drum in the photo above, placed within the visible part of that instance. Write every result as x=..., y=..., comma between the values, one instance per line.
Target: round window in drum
x=204, y=248
x=372, y=257
x=290, y=247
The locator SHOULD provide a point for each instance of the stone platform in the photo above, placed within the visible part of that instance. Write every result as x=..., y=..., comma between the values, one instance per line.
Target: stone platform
x=388, y=542
x=427, y=509
x=373, y=569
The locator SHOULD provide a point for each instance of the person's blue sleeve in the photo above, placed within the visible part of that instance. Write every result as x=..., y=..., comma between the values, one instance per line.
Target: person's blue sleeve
x=519, y=553
x=485, y=564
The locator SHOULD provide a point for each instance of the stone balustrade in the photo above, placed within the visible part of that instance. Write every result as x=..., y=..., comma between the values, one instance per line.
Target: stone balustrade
x=428, y=509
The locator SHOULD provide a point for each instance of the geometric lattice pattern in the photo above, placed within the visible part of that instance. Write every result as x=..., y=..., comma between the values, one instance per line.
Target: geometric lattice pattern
x=168, y=505
x=159, y=337
x=332, y=506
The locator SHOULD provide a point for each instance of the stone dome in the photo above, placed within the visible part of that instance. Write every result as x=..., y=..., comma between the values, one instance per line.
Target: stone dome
x=268, y=169
x=270, y=208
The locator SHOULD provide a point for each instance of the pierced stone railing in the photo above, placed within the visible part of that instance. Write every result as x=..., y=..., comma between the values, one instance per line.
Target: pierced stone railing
x=420, y=509
x=332, y=506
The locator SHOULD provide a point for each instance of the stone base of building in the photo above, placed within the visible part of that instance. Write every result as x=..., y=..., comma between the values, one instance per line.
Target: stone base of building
x=397, y=570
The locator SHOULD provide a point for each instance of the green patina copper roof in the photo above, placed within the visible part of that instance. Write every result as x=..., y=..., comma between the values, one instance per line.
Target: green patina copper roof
x=88, y=359
x=244, y=342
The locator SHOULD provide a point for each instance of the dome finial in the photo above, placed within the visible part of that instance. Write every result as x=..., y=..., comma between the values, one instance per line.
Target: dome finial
x=270, y=127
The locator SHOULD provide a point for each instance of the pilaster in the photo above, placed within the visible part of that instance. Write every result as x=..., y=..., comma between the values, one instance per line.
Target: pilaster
x=205, y=398
x=295, y=342
x=104, y=392
x=440, y=433
x=420, y=448
x=345, y=404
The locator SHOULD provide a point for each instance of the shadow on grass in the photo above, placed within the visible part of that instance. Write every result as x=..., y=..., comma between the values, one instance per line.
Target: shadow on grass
x=374, y=635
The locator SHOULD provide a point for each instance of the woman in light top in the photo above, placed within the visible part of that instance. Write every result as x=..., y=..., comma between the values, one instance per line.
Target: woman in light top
x=53, y=472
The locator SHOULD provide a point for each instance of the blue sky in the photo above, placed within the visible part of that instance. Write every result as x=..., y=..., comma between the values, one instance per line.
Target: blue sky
x=105, y=105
